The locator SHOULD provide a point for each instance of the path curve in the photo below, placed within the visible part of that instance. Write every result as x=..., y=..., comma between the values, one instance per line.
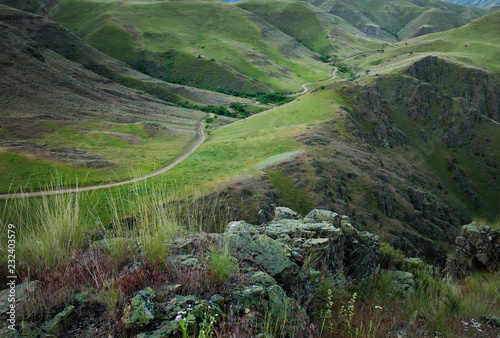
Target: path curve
x=201, y=138
x=305, y=85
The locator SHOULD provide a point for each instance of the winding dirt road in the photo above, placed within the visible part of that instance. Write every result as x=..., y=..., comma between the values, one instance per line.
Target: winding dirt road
x=201, y=138
x=305, y=85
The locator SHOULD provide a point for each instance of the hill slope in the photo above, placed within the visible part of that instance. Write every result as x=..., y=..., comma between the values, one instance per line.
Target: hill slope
x=475, y=44
x=58, y=115
x=476, y=3
x=206, y=44
x=400, y=19
x=316, y=29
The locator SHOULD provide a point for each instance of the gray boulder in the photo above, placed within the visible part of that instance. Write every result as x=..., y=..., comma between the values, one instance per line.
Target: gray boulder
x=477, y=249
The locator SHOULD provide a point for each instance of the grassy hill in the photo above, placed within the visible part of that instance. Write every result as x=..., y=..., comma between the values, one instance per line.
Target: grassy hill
x=400, y=19
x=476, y=3
x=207, y=44
x=316, y=29
x=349, y=147
x=58, y=116
x=474, y=45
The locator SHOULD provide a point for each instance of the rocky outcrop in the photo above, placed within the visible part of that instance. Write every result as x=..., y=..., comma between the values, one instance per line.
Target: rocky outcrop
x=477, y=249
x=477, y=87
x=279, y=266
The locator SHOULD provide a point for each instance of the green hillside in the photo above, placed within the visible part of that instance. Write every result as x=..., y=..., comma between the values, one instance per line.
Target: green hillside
x=316, y=29
x=58, y=118
x=476, y=3
x=475, y=45
x=206, y=44
x=400, y=19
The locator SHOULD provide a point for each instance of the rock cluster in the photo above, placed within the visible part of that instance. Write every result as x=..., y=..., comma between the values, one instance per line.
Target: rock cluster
x=278, y=265
x=477, y=249
x=279, y=262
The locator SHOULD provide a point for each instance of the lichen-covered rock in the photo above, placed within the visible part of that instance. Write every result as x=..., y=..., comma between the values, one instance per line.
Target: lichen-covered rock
x=347, y=227
x=141, y=311
x=280, y=311
x=403, y=283
x=362, y=255
x=30, y=331
x=239, y=226
x=263, y=278
x=58, y=324
x=477, y=249
x=285, y=213
x=22, y=291
x=319, y=215
x=273, y=258
x=320, y=243
x=186, y=261
x=189, y=309
x=190, y=244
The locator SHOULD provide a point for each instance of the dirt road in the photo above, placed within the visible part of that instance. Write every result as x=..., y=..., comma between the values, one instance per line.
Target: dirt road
x=305, y=85
x=201, y=138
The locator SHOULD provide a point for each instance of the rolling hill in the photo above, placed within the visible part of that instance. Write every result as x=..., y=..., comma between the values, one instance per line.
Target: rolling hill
x=476, y=3
x=207, y=44
x=475, y=45
x=397, y=20
x=318, y=30
x=58, y=114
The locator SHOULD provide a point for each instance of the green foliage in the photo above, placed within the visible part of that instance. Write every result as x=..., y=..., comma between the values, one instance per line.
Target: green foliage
x=219, y=110
x=240, y=108
x=275, y=98
x=108, y=294
x=346, y=315
x=221, y=264
x=391, y=258
x=345, y=70
x=325, y=58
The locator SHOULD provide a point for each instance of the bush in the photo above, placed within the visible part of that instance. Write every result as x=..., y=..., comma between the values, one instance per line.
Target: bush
x=219, y=110
x=240, y=108
x=276, y=98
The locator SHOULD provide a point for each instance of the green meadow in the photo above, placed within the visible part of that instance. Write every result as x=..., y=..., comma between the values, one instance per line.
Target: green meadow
x=129, y=150
x=202, y=43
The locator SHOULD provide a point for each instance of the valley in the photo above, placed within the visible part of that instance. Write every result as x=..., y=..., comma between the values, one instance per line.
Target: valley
x=150, y=121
